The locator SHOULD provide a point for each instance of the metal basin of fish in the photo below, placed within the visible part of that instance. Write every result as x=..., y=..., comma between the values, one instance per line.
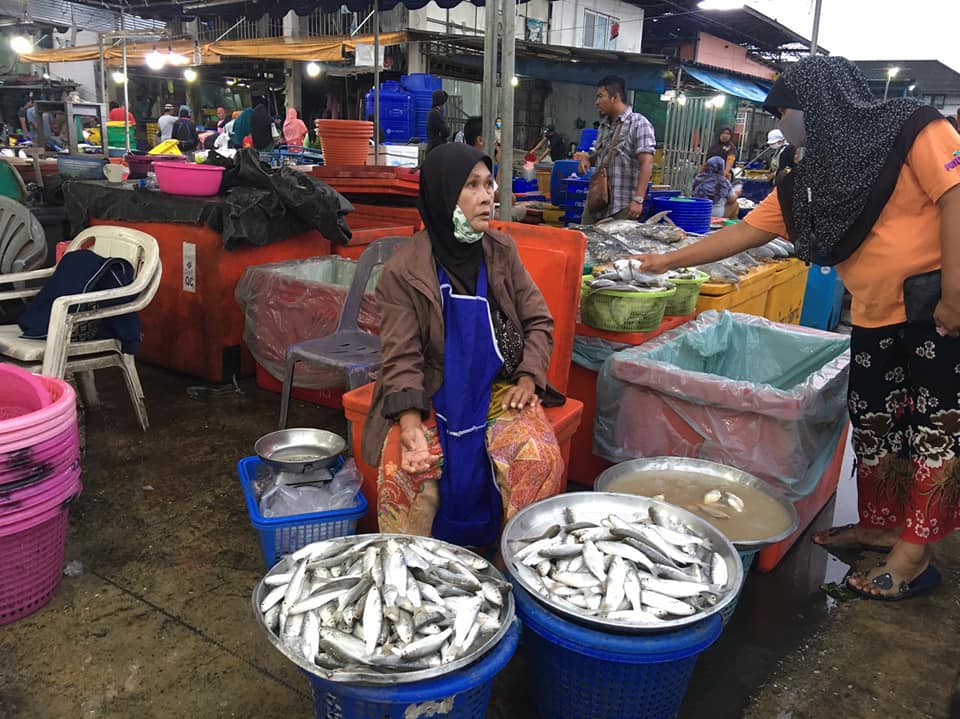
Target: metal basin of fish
x=299, y=450
x=715, y=476
x=594, y=507
x=373, y=676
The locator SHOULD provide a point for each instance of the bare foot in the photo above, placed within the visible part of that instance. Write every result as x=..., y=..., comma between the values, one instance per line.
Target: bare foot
x=905, y=563
x=853, y=534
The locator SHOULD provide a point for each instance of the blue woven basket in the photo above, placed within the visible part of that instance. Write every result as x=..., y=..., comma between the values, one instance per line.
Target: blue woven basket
x=746, y=557
x=583, y=673
x=463, y=694
x=689, y=213
x=283, y=535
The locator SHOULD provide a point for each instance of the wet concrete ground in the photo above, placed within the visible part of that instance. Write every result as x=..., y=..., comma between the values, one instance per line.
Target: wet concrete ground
x=158, y=622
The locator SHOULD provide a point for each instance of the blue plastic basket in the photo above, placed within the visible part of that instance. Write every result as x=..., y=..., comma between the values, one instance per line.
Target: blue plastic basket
x=283, y=535
x=746, y=557
x=582, y=672
x=463, y=694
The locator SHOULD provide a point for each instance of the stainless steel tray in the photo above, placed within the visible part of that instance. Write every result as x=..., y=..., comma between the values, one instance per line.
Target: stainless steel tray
x=592, y=507
x=371, y=677
x=707, y=469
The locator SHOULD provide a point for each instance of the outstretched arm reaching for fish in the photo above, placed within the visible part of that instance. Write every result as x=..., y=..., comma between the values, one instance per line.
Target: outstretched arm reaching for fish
x=727, y=242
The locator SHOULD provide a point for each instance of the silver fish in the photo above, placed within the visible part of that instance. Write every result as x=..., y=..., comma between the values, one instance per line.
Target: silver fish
x=733, y=501
x=713, y=511
x=372, y=619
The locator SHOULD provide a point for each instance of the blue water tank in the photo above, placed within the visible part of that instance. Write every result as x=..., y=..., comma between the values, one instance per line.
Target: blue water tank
x=421, y=85
x=588, y=136
x=396, y=112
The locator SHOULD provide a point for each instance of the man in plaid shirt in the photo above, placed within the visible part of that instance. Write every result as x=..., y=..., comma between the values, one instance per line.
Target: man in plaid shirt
x=630, y=166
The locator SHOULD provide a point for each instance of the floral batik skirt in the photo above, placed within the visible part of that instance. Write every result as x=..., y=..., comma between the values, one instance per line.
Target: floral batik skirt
x=904, y=404
x=523, y=450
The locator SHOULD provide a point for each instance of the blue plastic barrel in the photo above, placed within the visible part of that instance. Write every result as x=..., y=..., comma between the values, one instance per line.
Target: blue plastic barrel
x=823, y=301
x=588, y=136
x=581, y=672
x=396, y=111
x=463, y=694
x=421, y=86
x=562, y=169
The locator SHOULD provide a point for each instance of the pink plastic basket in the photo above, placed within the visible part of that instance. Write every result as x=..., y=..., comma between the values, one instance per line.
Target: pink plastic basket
x=21, y=392
x=176, y=178
x=40, y=460
x=31, y=563
x=46, y=423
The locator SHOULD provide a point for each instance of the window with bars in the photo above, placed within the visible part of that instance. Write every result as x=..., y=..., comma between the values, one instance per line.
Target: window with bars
x=598, y=30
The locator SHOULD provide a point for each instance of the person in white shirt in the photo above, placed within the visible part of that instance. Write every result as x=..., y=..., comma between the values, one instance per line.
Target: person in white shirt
x=165, y=123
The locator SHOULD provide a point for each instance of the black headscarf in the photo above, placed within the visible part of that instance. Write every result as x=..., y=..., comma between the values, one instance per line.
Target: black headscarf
x=856, y=147
x=442, y=176
x=260, y=130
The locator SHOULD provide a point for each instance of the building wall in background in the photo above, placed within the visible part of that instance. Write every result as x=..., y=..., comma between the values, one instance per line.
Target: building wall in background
x=568, y=23
x=82, y=73
x=712, y=50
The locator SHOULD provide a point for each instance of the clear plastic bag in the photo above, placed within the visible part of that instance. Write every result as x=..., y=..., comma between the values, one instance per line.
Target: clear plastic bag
x=730, y=388
x=289, y=302
x=282, y=500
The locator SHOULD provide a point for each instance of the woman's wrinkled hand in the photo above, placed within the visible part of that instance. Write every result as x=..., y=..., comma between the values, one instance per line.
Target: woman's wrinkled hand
x=414, y=450
x=522, y=394
x=653, y=264
x=947, y=317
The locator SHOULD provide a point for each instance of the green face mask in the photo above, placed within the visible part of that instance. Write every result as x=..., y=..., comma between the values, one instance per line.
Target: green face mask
x=462, y=229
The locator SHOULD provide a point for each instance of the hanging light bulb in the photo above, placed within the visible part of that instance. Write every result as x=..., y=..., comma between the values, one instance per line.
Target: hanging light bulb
x=514, y=81
x=189, y=74
x=119, y=77
x=313, y=69
x=21, y=44
x=175, y=58
x=231, y=81
x=155, y=60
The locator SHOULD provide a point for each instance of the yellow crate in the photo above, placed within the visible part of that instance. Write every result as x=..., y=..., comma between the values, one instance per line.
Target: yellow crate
x=749, y=296
x=552, y=215
x=543, y=182
x=785, y=298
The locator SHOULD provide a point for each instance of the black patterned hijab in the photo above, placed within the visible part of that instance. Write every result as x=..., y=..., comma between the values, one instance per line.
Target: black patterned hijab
x=856, y=146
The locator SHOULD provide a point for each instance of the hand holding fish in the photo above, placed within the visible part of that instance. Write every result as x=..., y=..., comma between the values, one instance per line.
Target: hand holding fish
x=653, y=264
x=522, y=394
x=947, y=317
x=414, y=453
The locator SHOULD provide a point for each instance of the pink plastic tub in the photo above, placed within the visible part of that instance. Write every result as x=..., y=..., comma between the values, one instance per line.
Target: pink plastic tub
x=41, y=425
x=39, y=462
x=31, y=564
x=21, y=392
x=177, y=178
x=22, y=503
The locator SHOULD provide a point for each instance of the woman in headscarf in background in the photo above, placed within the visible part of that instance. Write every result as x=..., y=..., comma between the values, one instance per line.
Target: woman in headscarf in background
x=241, y=128
x=877, y=194
x=456, y=425
x=261, y=128
x=713, y=185
x=294, y=129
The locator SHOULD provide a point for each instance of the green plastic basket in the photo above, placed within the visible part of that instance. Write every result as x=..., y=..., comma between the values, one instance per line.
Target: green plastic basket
x=685, y=300
x=115, y=136
x=617, y=311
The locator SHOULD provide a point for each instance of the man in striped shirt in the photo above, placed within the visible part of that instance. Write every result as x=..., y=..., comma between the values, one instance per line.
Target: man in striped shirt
x=631, y=163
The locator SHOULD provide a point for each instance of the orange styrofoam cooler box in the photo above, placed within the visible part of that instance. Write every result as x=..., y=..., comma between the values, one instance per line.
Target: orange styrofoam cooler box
x=366, y=230
x=193, y=324
x=807, y=509
x=584, y=465
x=749, y=296
x=390, y=215
x=356, y=405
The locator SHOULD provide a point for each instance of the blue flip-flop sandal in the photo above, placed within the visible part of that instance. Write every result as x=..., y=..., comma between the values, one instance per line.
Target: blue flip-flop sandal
x=929, y=579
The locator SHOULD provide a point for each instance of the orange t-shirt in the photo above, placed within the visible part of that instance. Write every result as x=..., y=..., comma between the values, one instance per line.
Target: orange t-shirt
x=904, y=241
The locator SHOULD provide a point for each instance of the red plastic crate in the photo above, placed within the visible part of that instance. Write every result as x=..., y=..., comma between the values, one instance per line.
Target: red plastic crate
x=331, y=397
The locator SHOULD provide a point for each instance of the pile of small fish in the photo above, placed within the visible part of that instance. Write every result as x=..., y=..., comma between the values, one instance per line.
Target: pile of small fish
x=626, y=276
x=642, y=571
x=384, y=604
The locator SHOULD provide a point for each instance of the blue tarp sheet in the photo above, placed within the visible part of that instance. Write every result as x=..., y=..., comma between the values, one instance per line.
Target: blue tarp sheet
x=729, y=84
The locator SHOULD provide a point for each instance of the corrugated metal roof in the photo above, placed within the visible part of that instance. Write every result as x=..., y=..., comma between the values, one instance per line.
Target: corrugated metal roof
x=63, y=13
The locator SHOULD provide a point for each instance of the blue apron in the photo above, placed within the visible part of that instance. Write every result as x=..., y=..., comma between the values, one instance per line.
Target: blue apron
x=470, y=506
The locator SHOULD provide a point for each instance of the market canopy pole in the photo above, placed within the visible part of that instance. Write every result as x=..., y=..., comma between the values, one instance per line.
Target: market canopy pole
x=376, y=82
x=816, y=27
x=126, y=96
x=489, y=97
x=507, y=69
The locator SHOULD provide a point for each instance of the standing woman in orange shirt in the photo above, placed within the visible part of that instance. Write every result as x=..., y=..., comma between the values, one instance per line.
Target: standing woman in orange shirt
x=877, y=194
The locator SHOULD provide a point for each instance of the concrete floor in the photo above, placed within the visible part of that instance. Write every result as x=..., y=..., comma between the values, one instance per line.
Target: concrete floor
x=158, y=622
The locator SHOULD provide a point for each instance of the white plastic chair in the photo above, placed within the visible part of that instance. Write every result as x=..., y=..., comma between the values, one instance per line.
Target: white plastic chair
x=23, y=243
x=58, y=353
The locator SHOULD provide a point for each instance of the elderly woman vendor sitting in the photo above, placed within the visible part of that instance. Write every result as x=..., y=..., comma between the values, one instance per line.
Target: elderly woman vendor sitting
x=456, y=425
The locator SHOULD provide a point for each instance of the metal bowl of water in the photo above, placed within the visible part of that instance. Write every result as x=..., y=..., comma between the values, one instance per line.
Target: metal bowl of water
x=299, y=450
x=607, y=482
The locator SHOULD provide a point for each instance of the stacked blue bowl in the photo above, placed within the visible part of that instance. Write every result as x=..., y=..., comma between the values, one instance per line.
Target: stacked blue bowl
x=574, y=198
x=688, y=213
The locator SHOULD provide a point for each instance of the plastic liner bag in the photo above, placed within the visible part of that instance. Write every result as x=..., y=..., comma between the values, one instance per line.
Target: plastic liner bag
x=767, y=398
x=282, y=500
x=288, y=302
x=592, y=352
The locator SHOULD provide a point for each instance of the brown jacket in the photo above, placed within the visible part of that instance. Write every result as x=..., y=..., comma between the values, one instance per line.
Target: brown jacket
x=412, y=332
